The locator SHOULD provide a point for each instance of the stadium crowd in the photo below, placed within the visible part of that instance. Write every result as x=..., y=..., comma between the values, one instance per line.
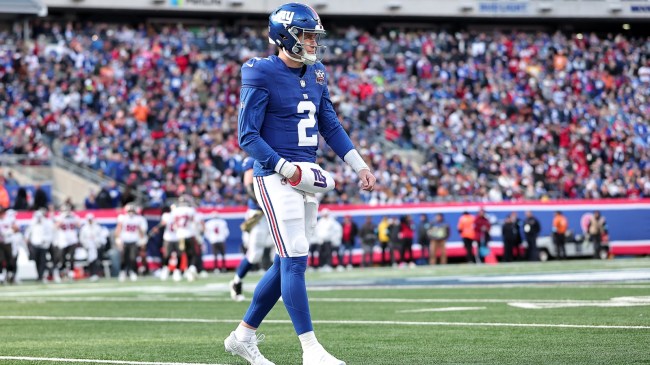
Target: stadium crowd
x=441, y=116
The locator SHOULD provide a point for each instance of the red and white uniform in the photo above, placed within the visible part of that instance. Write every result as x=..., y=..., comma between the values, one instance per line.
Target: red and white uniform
x=134, y=227
x=67, y=226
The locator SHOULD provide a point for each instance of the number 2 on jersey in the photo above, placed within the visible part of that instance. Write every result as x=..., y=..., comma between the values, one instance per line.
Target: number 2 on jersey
x=306, y=106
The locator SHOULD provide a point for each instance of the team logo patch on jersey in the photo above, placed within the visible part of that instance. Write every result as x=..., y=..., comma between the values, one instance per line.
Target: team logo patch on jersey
x=320, y=77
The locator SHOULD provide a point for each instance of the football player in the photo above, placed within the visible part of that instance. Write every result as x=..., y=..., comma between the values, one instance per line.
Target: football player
x=40, y=235
x=8, y=229
x=187, y=224
x=285, y=104
x=67, y=224
x=91, y=238
x=217, y=232
x=130, y=234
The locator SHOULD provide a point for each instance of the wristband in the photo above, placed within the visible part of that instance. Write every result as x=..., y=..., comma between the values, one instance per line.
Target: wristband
x=285, y=168
x=354, y=159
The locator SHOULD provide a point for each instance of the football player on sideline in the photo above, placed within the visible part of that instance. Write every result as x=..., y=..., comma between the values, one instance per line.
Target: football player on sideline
x=39, y=236
x=67, y=224
x=187, y=224
x=8, y=228
x=255, y=234
x=131, y=232
x=285, y=104
x=92, y=239
x=217, y=232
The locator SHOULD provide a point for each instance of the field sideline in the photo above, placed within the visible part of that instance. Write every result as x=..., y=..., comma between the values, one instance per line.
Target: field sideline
x=575, y=312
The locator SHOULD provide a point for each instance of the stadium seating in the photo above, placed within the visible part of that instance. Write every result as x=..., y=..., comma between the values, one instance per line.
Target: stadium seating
x=493, y=116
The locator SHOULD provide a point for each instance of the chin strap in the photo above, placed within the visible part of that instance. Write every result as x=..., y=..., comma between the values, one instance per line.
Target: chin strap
x=303, y=58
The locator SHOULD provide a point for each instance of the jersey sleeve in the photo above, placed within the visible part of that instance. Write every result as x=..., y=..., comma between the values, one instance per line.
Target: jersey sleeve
x=330, y=127
x=249, y=163
x=254, y=98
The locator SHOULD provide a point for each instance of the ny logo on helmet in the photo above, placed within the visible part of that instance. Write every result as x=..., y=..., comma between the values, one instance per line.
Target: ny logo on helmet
x=283, y=16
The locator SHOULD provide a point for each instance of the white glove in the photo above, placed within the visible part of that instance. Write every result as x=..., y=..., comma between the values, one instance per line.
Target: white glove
x=313, y=179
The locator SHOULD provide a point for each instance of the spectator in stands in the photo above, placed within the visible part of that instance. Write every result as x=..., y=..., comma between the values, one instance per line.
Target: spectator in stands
x=512, y=116
x=41, y=200
x=560, y=226
x=5, y=200
x=157, y=196
x=104, y=200
x=90, y=202
x=10, y=180
x=21, y=202
x=115, y=194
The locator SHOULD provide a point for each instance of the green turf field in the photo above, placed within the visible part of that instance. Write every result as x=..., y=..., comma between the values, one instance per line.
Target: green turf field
x=458, y=314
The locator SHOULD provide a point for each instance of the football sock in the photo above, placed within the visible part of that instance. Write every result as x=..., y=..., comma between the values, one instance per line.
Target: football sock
x=308, y=340
x=242, y=270
x=294, y=293
x=266, y=294
x=244, y=334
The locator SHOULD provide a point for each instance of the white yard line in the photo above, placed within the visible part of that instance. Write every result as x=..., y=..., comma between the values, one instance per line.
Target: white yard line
x=356, y=322
x=94, y=361
x=445, y=309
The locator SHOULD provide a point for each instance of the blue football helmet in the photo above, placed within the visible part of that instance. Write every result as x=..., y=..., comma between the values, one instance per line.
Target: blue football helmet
x=290, y=26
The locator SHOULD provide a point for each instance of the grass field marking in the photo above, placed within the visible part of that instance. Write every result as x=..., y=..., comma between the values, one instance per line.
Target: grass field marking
x=445, y=309
x=520, y=303
x=93, y=361
x=613, y=302
x=146, y=299
x=346, y=322
x=636, y=285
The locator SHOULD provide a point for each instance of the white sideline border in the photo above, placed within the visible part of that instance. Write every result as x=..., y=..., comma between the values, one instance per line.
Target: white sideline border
x=354, y=322
x=93, y=361
x=641, y=300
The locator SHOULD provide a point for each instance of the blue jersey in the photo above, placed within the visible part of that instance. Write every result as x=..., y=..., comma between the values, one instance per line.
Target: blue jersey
x=247, y=165
x=282, y=113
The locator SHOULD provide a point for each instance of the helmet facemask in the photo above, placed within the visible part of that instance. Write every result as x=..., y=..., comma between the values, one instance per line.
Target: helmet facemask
x=307, y=46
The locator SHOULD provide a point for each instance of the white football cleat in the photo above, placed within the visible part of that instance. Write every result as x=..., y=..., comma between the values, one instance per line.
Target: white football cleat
x=122, y=277
x=177, y=276
x=247, y=350
x=164, y=273
x=56, y=276
x=133, y=276
x=318, y=356
x=236, y=291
